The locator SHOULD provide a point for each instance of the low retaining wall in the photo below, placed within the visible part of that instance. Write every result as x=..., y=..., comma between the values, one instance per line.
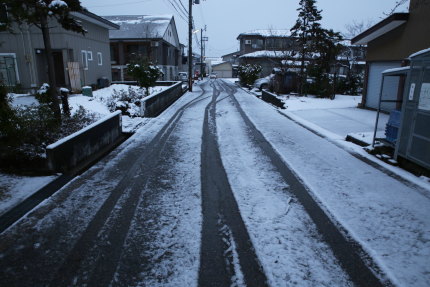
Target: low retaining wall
x=153, y=105
x=271, y=98
x=77, y=148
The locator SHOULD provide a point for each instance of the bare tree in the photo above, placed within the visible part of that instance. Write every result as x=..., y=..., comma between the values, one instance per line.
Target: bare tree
x=356, y=27
x=396, y=6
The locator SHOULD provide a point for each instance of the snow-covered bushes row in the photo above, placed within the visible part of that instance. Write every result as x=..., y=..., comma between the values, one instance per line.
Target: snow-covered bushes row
x=25, y=131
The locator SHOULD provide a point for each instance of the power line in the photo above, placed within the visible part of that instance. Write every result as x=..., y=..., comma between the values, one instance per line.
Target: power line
x=112, y=5
x=182, y=4
x=184, y=17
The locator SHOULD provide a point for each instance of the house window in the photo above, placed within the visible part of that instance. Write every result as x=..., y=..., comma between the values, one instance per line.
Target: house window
x=99, y=59
x=257, y=44
x=84, y=59
x=8, y=70
x=90, y=55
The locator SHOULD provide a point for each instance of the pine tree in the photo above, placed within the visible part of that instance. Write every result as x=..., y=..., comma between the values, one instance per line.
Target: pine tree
x=304, y=32
x=39, y=13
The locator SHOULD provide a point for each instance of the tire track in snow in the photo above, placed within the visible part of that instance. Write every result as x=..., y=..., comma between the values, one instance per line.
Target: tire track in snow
x=351, y=256
x=220, y=216
x=130, y=187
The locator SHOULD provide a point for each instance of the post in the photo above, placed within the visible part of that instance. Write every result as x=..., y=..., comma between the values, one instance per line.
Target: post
x=201, y=53
x=190, y=43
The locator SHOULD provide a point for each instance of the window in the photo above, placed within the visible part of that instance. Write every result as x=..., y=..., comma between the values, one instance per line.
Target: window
x=99, y=59
x=8, y=69
x=257, y=44
x=90, y=55
x=84, y=59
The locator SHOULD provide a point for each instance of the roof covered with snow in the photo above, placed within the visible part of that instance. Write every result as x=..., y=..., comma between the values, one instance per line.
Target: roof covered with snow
x=420, y=53
x=267, y=33
x=265, y=54
x=139, y=26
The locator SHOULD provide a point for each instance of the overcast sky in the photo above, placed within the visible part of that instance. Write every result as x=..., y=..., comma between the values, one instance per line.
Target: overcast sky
x=226, y=19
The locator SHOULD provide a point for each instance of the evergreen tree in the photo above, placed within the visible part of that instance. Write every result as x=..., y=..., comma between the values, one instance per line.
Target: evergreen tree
x=39, y=13
x=144, y=72
x=304, y=32
x=327, y=46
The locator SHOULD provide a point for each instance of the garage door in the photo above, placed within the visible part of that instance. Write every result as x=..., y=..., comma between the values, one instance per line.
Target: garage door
x=374, y=85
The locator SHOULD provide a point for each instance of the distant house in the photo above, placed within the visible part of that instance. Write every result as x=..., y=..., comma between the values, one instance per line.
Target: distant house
x=389, y=43
x=223, y=69
x=79, y=59
x=233, y=58
x=267, y=48
x=154, y=37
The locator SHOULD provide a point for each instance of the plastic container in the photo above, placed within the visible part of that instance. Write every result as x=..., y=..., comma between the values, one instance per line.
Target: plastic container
x=87, y=91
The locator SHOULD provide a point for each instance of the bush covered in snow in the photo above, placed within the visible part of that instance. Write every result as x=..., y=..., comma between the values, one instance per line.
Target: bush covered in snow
x=25, y=131
x=144, y=72
x=128, y=102
x=248, y=74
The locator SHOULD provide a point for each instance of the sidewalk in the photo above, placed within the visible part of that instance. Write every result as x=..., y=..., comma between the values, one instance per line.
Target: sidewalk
x=388, y=216
x=337, y=119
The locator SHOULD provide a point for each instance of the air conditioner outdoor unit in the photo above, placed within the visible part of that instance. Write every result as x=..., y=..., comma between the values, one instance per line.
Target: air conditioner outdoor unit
x=247, y=42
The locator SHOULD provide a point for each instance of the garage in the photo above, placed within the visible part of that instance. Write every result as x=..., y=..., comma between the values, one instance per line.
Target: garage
x=223, y=70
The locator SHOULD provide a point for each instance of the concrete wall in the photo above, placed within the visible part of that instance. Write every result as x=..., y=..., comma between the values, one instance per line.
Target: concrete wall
x=272, y=99
x=153, y=105
x=79, y=147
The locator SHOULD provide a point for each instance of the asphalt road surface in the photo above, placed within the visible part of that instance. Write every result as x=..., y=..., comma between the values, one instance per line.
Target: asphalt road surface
x=164, y=209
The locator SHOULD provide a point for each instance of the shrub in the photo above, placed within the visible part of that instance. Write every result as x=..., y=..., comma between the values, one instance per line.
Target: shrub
x=248, y=74
x=128, y=102
x=144, y=72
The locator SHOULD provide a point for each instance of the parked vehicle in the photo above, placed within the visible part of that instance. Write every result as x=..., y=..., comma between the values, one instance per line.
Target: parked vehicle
x=263, y=83
x=183, y=76
x=213, y=76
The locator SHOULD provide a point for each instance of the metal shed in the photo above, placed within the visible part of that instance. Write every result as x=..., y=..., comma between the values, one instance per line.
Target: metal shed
x=413, y=142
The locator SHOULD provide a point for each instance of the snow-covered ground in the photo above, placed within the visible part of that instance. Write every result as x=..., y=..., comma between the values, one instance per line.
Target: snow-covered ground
x=14, y=189
x=285, y=238
x=388, y=217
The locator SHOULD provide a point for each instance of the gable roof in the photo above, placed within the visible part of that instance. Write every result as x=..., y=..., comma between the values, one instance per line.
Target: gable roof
x=139, y=26
x=388, y=24
x=95, y=19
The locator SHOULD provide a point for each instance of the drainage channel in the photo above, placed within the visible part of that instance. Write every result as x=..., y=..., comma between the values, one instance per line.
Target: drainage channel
x=353, y=259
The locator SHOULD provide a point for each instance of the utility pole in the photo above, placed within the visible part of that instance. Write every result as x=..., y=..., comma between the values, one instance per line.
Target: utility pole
x=201, y=53
x=190, y=43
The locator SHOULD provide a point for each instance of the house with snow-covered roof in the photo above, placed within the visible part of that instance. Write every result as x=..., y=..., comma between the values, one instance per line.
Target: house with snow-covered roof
x=153, y=37
x=79, y=60
x=267, y=48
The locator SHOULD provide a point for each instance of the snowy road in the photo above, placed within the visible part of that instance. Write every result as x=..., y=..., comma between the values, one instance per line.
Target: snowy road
x=200, y=196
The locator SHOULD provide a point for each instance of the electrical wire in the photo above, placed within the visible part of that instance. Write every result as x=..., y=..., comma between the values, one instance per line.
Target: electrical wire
x=184, y=17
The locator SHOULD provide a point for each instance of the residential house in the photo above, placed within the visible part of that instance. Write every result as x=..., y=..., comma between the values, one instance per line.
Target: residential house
x=267, y=48
x=389, y=43
x=79, y=59
x=154, y=37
